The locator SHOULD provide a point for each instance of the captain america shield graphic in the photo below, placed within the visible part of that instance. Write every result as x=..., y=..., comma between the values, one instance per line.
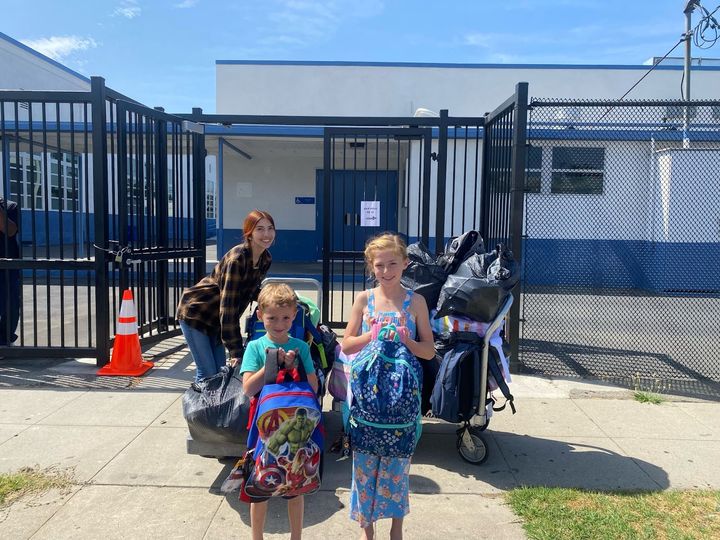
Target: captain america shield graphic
x=269, y=479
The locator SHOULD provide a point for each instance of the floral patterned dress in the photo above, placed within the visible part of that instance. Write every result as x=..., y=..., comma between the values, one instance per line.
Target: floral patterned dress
x=381, y=485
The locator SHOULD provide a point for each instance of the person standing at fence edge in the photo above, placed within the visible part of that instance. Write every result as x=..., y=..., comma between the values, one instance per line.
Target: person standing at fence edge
x=381, y=484
x=9, y=279
x=209, y=312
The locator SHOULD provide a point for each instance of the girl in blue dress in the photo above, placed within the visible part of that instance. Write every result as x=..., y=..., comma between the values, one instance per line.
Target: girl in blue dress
x=381, y=484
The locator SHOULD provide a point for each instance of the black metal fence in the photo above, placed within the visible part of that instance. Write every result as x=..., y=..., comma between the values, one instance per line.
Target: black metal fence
x=106, y=191
x=622, y=244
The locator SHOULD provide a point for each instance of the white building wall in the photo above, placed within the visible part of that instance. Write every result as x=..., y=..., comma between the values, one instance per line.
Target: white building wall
x=688, y=195
x=270, y=181
x=24, y=69
x=398, y=90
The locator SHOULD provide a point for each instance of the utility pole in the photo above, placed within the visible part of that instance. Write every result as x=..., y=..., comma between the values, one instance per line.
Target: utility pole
x=689, y=8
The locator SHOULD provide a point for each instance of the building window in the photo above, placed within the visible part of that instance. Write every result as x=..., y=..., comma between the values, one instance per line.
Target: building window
x=210, y=205
x=577, y=170
x=64, y=181
x=533, y=169
x=210, y=198
x=26, y=180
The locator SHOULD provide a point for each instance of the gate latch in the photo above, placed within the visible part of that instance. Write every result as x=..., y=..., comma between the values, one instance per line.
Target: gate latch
x=123, y=257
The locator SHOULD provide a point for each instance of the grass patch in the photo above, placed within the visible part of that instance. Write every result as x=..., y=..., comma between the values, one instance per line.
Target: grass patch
x=648, y=389
x=572, y=514
x=28, y=480
x=648, y=397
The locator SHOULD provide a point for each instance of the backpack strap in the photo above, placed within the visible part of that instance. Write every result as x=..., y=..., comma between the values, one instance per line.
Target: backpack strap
x=271, y=365
x=497, y=374
x=272, y=368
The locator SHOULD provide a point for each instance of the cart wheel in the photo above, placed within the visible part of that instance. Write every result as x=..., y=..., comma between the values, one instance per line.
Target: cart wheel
x=471, y=446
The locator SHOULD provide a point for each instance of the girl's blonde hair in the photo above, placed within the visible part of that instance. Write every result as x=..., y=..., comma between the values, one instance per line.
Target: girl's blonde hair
x=384, y=242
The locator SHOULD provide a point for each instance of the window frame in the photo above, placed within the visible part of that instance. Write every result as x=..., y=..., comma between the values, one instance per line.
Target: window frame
x=582, y=174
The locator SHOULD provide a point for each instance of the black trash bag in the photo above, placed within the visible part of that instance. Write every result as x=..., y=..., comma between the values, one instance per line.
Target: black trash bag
x=460, y=248
x=216, y=409
x=423, y=275
x=479, y=287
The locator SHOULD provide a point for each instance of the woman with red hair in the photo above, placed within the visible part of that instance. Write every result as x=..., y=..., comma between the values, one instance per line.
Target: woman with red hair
x=209, y=312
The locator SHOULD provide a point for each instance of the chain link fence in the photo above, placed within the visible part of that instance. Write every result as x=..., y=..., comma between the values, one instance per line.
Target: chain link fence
x=622, y=244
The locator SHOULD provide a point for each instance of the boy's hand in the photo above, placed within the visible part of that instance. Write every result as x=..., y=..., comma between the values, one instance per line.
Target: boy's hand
x=287, y=359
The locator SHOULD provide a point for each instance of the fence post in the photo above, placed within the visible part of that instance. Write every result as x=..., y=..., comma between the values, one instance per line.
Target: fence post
x=327, y=179
x=441, y=181
x=517, y=200
x=100, y=202
x=199, y=153
x=161, y=174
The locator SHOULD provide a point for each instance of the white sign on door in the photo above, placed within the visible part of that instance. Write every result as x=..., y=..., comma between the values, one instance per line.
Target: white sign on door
x=370, y=213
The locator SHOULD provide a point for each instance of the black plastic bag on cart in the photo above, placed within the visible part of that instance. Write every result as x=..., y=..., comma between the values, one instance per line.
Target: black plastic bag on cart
x=423, y=274
x=460, y=248
x=216, y=409
x=479, y=287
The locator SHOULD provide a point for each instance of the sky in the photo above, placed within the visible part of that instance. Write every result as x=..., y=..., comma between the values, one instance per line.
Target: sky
x=163, y=52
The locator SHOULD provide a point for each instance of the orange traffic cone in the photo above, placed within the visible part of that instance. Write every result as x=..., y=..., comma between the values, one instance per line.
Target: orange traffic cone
x=126, y=359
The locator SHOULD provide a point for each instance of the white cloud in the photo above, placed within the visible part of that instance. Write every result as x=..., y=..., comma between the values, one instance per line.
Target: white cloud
x=128, y=9
x=299, y=22
x=186, y=4
x=478, y=40
x=59, y=47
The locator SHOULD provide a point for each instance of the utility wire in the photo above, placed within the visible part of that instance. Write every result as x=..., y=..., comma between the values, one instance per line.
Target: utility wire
x=707, y=30
x=702, y=39
x=645, y=75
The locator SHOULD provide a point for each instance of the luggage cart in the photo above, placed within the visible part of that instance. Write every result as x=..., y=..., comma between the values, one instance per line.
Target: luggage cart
x=471, y=445
x=224, y=449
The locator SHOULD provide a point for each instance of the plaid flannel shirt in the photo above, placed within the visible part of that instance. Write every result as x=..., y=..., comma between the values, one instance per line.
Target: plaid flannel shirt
x=216, y=303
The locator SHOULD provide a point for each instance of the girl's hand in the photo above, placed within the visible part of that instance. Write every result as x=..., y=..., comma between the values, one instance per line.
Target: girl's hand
x=403, y=334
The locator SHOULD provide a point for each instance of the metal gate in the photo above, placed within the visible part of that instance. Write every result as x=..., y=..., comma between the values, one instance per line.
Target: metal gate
x=108, y=194
x=456, y=174
x=375, y=179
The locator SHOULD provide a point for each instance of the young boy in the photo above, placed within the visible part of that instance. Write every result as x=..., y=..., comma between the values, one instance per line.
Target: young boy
x=277, y=307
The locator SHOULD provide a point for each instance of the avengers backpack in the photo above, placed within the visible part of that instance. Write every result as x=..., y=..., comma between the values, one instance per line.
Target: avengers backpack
x=286, y=436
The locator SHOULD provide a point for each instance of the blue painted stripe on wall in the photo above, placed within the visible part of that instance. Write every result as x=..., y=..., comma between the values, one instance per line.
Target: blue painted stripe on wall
x=625, y=264
x=80, y=230
x=289, y=246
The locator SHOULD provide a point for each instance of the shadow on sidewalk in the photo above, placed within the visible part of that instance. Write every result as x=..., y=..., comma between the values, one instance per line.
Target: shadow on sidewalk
x=523, y=460
x=319, y=507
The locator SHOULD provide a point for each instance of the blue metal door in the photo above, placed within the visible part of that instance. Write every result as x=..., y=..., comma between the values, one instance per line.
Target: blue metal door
x=364, y=190
x=350, y=192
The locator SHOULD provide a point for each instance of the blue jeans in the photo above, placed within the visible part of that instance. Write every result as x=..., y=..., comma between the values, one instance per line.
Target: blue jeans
x=208, y=352
x=9, y=293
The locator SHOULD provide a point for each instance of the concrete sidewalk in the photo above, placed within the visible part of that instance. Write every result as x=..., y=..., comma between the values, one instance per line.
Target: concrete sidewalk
x=125, y=442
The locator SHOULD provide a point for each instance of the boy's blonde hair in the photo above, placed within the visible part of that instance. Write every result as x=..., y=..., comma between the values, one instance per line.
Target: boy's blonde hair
x=384, y=242
x=277, y=295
